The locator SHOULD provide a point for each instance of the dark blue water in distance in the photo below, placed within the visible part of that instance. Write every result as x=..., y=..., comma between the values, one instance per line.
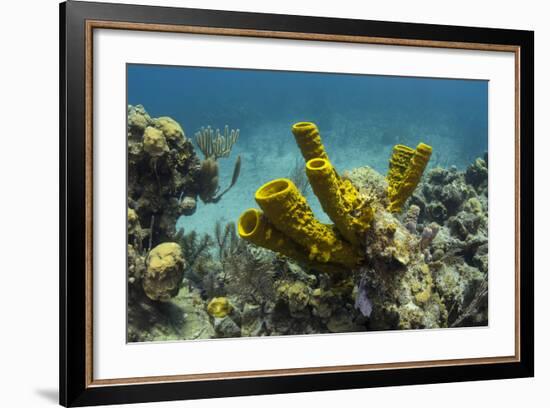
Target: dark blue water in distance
x=360, y=118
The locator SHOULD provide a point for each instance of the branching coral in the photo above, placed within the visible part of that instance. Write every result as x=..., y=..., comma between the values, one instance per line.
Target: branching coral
x=228, y=242
x=195, y=249
x=251, y=275
x=479, y=298
x=214, y=144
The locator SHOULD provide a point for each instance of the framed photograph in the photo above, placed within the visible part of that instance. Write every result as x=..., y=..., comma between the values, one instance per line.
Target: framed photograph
x=256, y=204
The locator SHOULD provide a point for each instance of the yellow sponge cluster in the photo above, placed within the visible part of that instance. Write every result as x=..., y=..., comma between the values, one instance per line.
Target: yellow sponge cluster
x=339, y=199
x=219, y=307
x=289, y=211
x=309, y=140
x=405, y=171
x=255, y=227
x=287, y=224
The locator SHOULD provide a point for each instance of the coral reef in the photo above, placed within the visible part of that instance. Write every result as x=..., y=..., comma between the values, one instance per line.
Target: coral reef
x=351, y=209
x=366, y=239
x=165, y=178
x=393, y=283
x=403, y=252
x=163, y=172
x=444, y=283
x=455, y=205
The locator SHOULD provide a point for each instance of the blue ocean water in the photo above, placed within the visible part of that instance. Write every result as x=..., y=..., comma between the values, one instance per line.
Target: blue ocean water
x=360, y=117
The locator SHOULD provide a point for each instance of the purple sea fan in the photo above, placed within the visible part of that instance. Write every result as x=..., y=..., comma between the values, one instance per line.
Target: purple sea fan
x=362, y=301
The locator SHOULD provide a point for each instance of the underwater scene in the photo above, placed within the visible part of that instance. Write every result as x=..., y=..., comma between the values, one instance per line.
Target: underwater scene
x=269, y=203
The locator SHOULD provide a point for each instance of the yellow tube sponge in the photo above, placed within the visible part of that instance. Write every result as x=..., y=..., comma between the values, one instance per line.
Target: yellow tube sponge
x=399, y=163
x=289, y=212
x=339, y=199
x=309, y=140
x=253, y=226
x=219, y=307
x=401, y=184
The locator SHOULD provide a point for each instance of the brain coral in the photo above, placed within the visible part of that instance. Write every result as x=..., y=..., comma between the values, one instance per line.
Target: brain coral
x=165, y=266
x=154, y=142
x=171, y=129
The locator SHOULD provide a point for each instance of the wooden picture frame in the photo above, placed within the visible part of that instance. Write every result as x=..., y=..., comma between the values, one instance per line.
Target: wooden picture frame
x=78, y=20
